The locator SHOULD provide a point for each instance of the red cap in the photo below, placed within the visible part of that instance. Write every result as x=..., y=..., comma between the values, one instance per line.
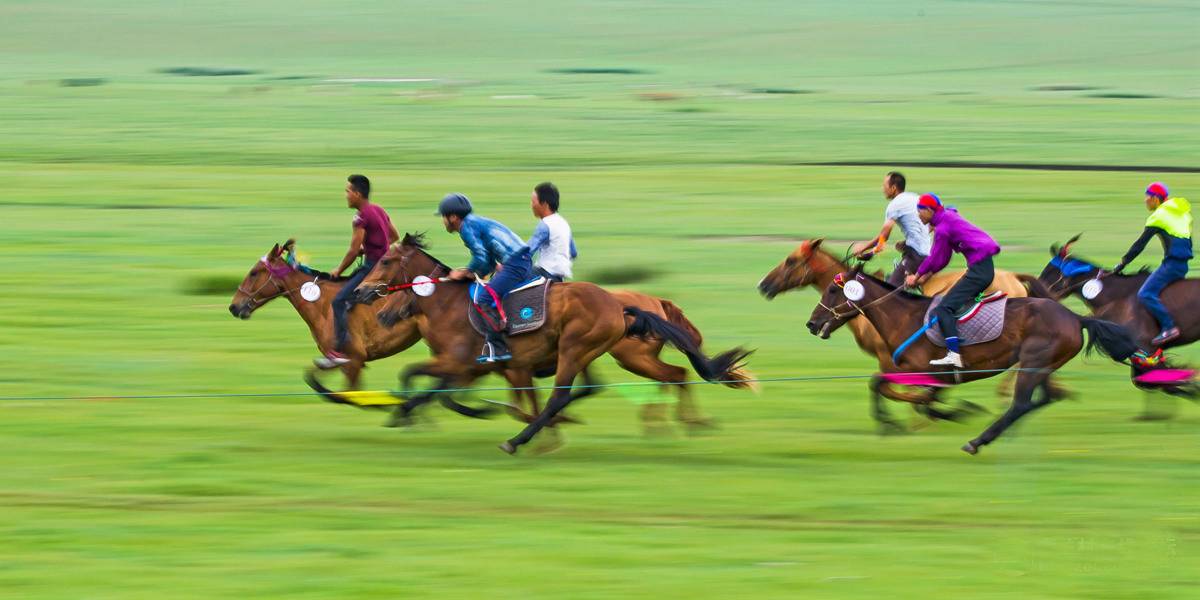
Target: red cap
x=1157, y=188
x=930, y=201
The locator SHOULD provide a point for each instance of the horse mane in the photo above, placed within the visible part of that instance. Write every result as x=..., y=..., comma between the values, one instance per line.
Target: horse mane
x=891, y=288
x=1144, y=270
x=417, y=240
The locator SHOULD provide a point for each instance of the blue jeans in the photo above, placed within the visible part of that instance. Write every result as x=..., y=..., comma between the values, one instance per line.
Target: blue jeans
x=1170, y=271
x=343, y=302
x=517, y=270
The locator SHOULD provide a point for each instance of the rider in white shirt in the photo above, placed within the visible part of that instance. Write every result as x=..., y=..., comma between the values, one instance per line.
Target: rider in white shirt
x=902, y=210
x=551, y=241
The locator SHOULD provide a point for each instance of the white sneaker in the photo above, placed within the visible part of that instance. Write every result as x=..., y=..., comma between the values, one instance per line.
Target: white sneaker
x=331, y=360
x=952, y=359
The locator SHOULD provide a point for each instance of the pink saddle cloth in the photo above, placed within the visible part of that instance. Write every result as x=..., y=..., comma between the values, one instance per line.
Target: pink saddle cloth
x=917, y=379
x=1165, y=377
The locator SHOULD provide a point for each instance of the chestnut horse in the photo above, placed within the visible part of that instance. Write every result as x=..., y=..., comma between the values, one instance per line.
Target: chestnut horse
x=583, y=322
x=1041, y=334
x=272, y=276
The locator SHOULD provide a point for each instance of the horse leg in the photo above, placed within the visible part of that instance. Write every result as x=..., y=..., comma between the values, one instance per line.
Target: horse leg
x=650, y=366
x=881, y=389
x=353, y=373
x=575, y=353
x=1027, y=383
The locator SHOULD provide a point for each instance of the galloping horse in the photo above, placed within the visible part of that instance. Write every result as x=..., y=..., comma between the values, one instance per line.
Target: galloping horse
x=582, y=322
x=1117, y=299
x=272, y=276
x=811, y=265
x=1040, y=334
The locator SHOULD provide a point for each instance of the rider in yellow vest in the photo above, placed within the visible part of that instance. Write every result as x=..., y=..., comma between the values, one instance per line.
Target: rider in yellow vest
x=1171, y=221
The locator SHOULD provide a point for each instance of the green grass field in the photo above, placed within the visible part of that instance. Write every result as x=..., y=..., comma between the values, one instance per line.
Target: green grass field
x=694, y=161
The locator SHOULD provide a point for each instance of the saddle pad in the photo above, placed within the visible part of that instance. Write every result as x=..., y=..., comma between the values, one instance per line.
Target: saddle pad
x=982, y=323
x=525, y=308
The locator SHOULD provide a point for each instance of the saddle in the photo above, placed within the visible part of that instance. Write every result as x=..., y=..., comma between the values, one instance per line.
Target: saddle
x=979, y=323
x=524, y=307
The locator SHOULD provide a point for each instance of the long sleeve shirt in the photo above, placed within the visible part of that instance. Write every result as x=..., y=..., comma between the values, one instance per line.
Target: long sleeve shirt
x=490, y=243
x=1171, y=222
x=554, y=246
x=952, y=233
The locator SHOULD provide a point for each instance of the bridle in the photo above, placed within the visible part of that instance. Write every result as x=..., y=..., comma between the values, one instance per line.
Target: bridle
x=840, y=281
x=275, y=275
x=1061, y=260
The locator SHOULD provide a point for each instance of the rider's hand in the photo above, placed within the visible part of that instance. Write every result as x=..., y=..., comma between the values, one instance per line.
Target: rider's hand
x=1120, y=267
x=461, y=275
x=336, y=273
x=910, y=281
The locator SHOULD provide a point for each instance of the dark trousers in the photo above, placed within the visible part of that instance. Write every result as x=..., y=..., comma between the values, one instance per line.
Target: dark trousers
x=1170, y=271
x=977, y=279
x=343, y=302
x=516, y=270
x=910, y=261
x=548, y=275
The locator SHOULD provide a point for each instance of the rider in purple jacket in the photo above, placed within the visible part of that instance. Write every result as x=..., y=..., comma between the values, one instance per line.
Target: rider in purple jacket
x=952, y=233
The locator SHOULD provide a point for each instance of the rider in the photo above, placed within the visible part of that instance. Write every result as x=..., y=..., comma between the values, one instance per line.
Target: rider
x=490, y=243
x=902, y=210
x=552, y=240
x=373, y=232
x=952, y=233
x=1171, y=220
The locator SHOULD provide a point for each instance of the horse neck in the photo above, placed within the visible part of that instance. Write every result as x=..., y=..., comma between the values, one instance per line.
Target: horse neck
x=896, y=317
x=316, y=315
x=827, y=268
x=447, y=305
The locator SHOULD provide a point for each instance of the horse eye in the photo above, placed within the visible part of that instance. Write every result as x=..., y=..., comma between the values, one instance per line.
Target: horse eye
x=791, y=261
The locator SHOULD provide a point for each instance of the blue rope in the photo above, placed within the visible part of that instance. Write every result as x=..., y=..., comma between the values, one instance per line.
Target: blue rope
x=912, y=338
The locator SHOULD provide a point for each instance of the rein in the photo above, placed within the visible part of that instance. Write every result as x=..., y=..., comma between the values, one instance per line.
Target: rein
x=856, y=307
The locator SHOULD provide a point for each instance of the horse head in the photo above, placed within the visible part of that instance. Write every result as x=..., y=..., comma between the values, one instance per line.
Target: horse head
x=842, y=300
x=800, y=268
x=264, y=282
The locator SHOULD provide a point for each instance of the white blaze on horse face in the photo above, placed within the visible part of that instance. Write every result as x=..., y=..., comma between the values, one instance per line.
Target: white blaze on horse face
x=310, y=291
x=1092, y=289
x=854, y=291
x=423, y=286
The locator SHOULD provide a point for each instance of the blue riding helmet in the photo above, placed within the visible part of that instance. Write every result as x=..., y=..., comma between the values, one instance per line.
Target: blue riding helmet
x=454, y=204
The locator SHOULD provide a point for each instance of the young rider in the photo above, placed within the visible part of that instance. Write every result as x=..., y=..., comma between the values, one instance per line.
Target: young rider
x=491, y=244
x=901, y=210
x=1171, y=221
x=373, y=232
x=952, y=233
x=551, y=241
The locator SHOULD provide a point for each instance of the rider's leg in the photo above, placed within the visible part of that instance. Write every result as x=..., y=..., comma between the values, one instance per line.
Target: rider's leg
x=1170, y=271
x=977, y=279
x=513, y=272
x=342, y=303
x=909, y=261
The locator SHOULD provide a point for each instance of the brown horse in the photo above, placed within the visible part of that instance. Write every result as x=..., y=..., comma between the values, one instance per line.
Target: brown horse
x=1117, y=300
x=1040, y=334
x=272, y=276
x=582, y=322
x=810, y=265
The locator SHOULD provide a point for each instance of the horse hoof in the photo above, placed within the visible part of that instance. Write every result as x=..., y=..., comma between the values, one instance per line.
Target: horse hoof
x=508, y=448
x=970, y=448
x=701, y=427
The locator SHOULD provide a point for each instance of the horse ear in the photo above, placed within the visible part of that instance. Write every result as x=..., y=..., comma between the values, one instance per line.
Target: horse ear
x=274, y=251
x=289, y=245
x=814, y=244
x=1054, y=249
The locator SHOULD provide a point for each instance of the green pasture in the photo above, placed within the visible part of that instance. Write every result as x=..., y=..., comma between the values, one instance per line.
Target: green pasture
x=685, y=137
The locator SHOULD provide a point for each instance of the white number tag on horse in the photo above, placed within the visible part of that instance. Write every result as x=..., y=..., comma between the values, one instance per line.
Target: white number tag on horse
x=1092, y=289
x=423, y=286
x=854, y=291
x=310, y=291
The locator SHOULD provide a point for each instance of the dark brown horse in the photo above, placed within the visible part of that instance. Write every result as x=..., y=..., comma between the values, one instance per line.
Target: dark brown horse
x=582, y=322
x=272, y=276
x=1041, y=334
x=1117, y=300
x=810, y=265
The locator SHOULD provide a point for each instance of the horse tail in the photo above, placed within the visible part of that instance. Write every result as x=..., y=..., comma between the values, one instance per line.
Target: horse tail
x=1035, y=286
x=677, y=318
x=725, y=368
x=1110, y=339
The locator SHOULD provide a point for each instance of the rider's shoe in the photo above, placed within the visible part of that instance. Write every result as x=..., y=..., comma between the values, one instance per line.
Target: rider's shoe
x=494, y=352
x=332, y=359
x=952, y=359
x=1167, y=335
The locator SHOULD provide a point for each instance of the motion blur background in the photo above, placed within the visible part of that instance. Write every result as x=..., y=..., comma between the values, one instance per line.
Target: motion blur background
x=152, y=151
